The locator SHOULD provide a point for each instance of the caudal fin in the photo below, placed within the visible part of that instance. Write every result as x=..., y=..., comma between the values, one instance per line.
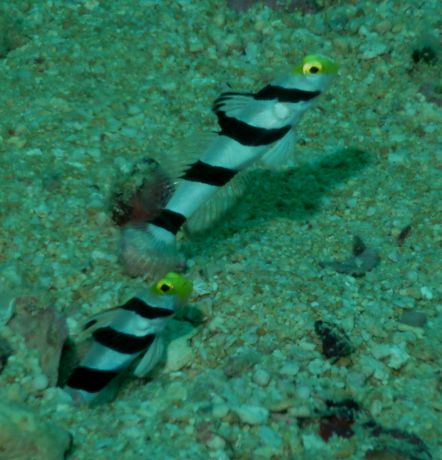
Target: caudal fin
x=147, y=251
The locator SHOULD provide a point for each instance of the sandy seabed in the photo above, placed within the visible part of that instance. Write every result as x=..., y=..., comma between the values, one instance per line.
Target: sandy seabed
x=90, y=87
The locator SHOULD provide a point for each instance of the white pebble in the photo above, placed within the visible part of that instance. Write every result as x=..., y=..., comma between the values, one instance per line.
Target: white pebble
x=317, y=366
x=312, y=442
x=426, y=293
x=40, y=382
x=372, y=49
x=179, y=354
x=34, y=153
x=220, y=410
x=216, y=443
x=261, y=377
x=303, y=392
x=397, y=356
x=253, y=415
x=290, y=369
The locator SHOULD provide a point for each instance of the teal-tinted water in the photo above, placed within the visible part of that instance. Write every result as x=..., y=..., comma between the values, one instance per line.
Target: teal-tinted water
x=299, y=341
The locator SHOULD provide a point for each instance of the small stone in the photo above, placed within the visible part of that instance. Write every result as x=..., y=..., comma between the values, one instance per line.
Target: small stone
x=269, y=436
x=341, y=44
x=253, y=415
x=240, y=363
x=396, y=355
x=413, y=318
x=335, y=342
x=280, y=405
x=372, y=49
x=216, y=443
x=383, y=26
x=317, y=367
x=220, y=410
x=219, y=19
x=25, y=435
x=261, y=377
x=303, y=392
x=195, y=46
x=290, y=369
x=177, y=391
x=179, y=355
x=40, y=382
x=312, y=442
x=362, y=261
x=346, y=450
x=426, y=293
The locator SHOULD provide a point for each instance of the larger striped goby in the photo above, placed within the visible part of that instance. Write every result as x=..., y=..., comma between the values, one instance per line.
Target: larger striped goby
x=253, y=127
x=128, y=333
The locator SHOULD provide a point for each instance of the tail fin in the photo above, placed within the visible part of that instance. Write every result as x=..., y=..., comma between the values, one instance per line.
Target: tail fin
x=148, y=250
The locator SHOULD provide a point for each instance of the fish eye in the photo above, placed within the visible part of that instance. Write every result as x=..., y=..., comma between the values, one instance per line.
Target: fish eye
x=164, y=287
x=312, y=68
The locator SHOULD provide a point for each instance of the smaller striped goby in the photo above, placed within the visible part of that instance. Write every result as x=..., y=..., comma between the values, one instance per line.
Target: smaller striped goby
x=125, y=334
x=253, y=128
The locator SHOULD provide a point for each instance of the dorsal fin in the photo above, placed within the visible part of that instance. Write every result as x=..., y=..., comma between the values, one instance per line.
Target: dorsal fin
x=102, y=319
x=232, y=104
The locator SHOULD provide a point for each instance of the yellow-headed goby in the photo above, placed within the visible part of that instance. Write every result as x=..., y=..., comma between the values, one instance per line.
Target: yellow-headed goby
x=129, y=332
x=254, y=127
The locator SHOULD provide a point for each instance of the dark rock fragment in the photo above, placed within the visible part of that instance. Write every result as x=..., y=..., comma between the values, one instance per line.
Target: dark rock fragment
x=335, y=342
x=413, y=318
x=346, y=417
x=5, y=353
x=12, y=33
x=396, y=442
x=427, y=54
x=403, y=235
x=303, y=6
x=237, y=365
x=363, y=260
x=432, y=93
x=338, y=419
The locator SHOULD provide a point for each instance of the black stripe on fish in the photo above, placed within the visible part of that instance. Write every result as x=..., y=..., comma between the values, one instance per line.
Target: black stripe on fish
x=141, y=308
x=90, y=323
x=208, y=174
x=249, y=135
x=121, y=342
x=169, y=220
x=291, y=95
x=90, y=380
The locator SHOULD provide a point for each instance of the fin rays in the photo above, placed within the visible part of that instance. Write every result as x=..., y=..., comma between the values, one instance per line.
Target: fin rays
x=217, y=206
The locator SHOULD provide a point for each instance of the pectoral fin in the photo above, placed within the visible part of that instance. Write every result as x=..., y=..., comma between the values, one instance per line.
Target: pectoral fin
x=280, y=153
x=220, y=203
x=151, y=358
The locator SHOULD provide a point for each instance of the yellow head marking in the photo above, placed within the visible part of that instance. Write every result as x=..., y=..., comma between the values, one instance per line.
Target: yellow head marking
x=315, y=64
x=174, y=284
